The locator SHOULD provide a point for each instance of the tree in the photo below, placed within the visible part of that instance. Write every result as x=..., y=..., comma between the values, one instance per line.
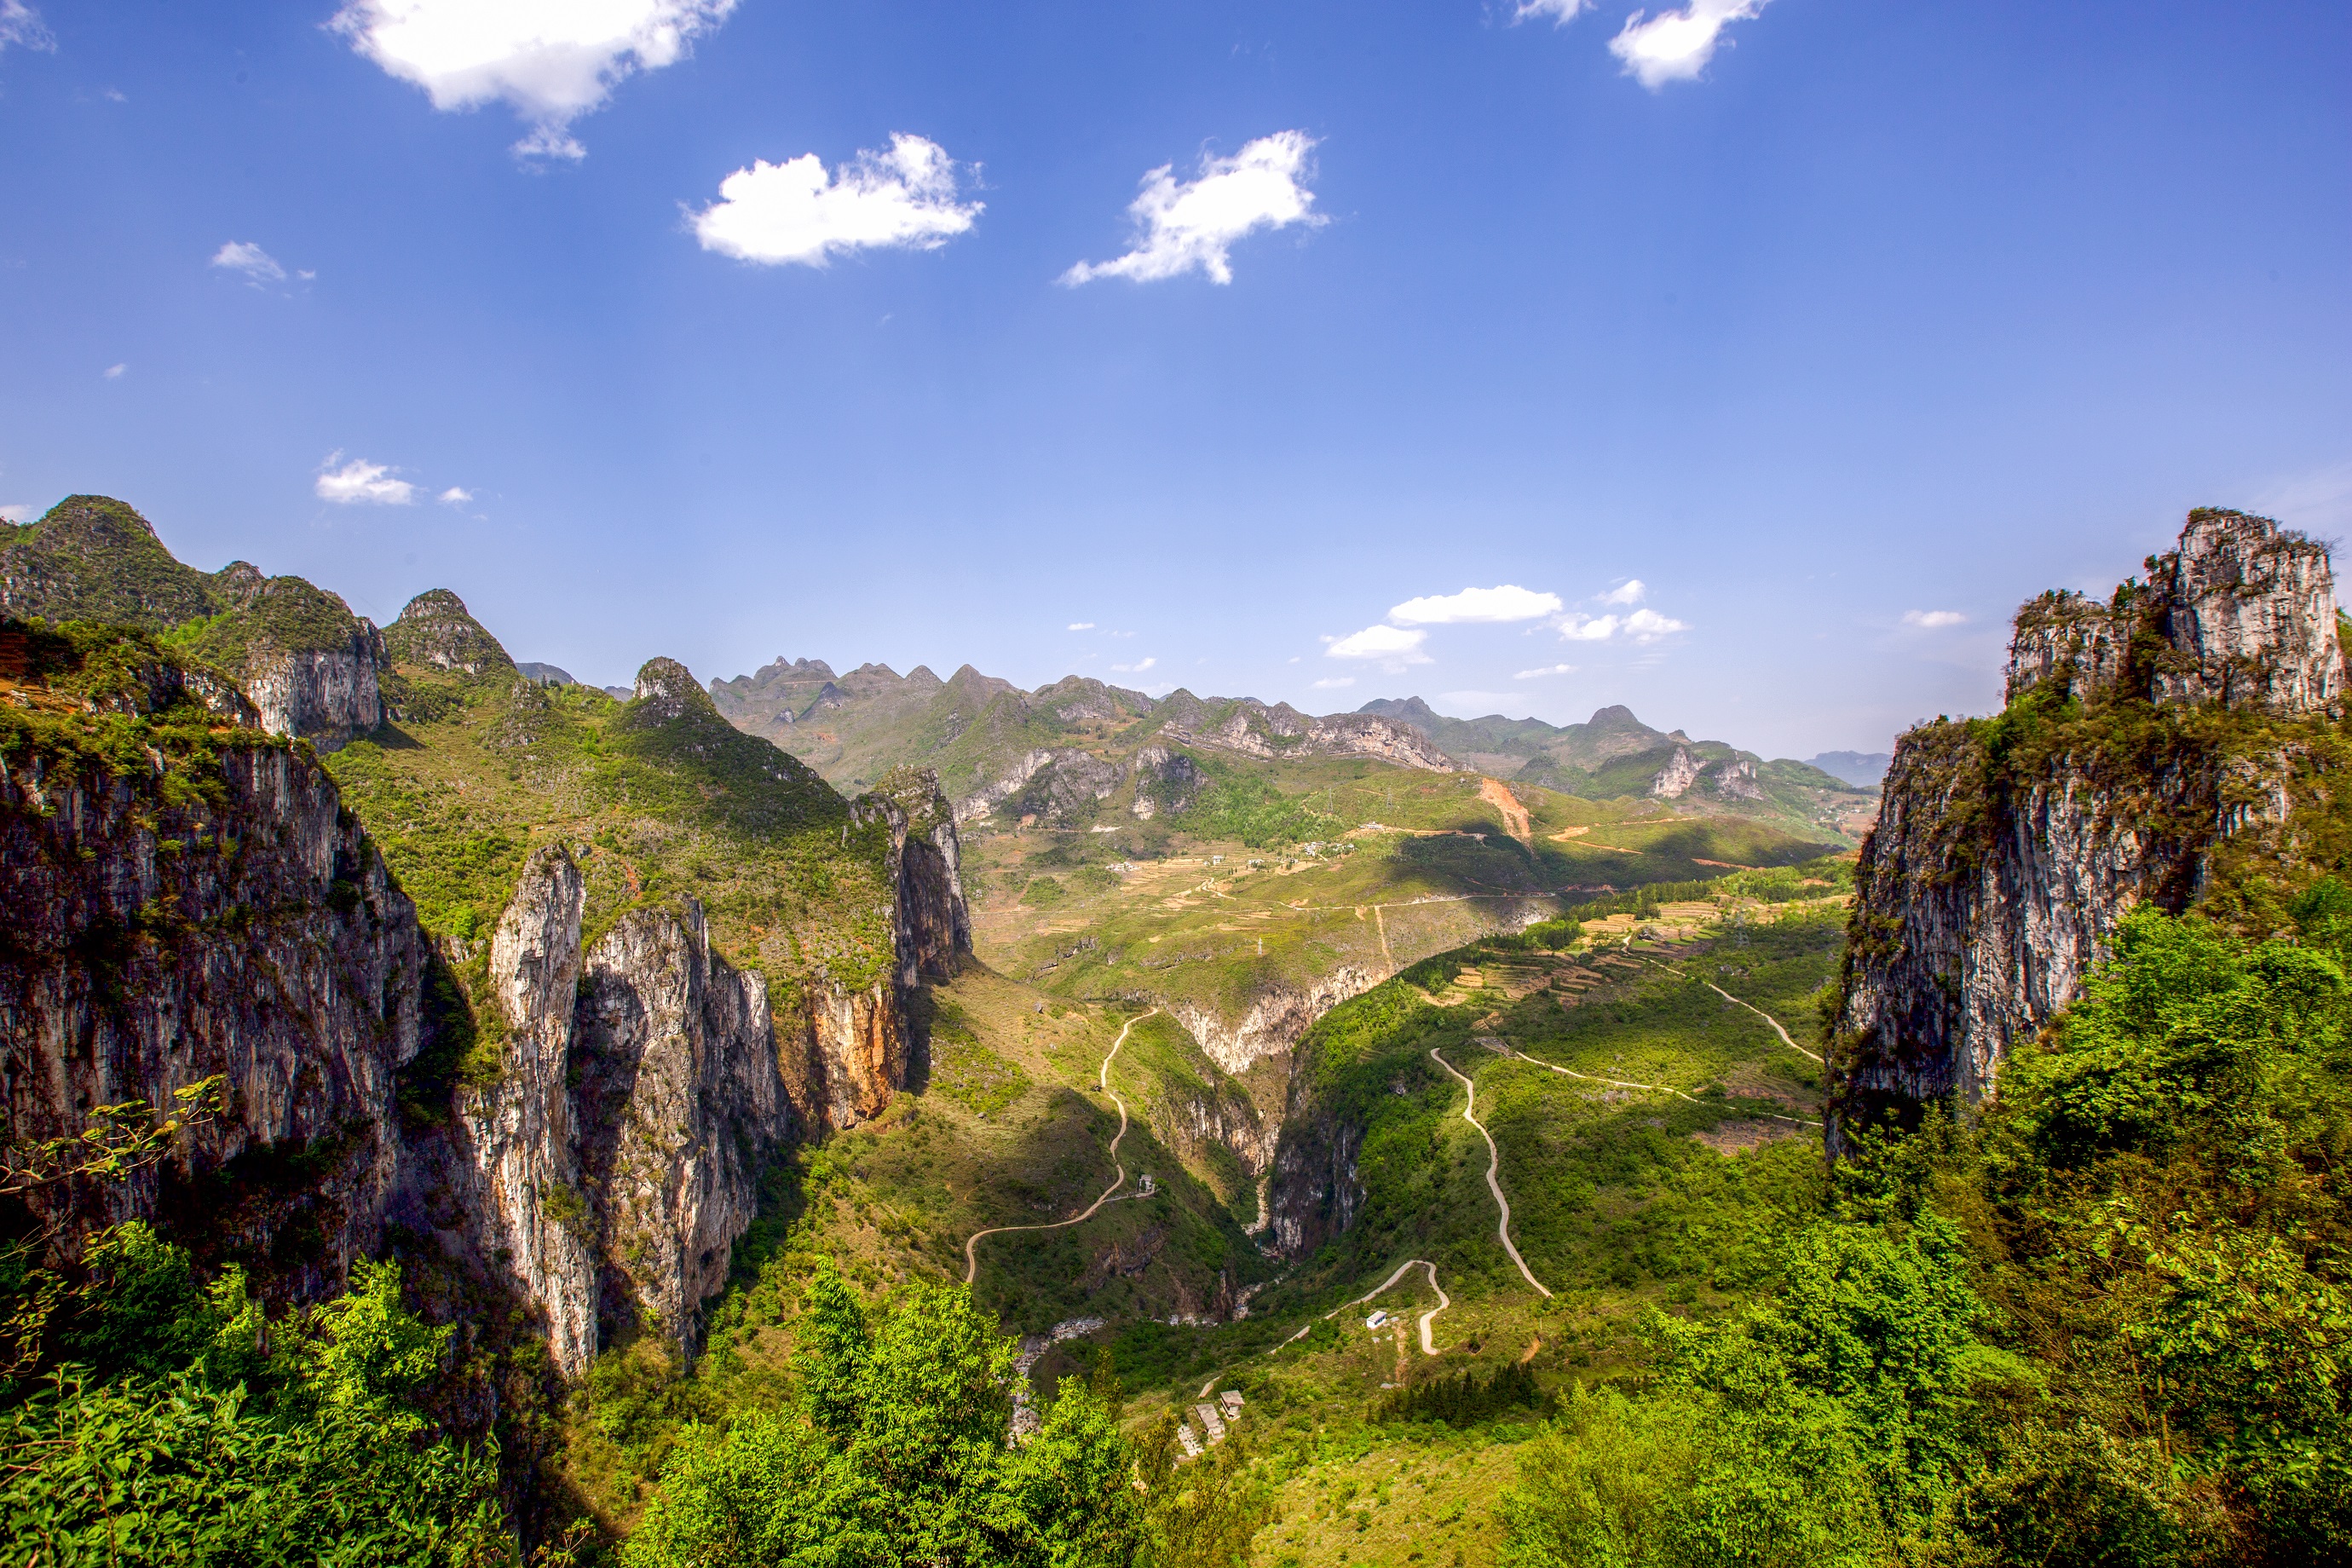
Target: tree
x=897, y=1451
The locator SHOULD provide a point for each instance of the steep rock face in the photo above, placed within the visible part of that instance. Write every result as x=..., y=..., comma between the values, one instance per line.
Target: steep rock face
x=2005, y=854
x=308, y=663
x=1317, y=1190
x=1277, y=1017
x=519, y=1134
x=1736, y=779
x=931, y=922
x=681, y=1105
x=1165, y=781
x=1673, y=779
x=150, y=944
x=1253, y=729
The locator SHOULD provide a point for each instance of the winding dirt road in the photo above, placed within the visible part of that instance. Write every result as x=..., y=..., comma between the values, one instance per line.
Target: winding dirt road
x=972, y=1258
x=1428, y=1346
x=1494, y=1166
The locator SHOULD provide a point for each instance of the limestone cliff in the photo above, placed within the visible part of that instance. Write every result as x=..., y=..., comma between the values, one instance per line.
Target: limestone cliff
x=1275, y=1019
x=205, y=909
x=2179, y=722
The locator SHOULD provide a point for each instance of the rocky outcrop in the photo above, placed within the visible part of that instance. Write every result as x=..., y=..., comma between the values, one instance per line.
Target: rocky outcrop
x=1736, y=779
x=1165, y=781
x=2146, y=739
x=1255, y=730
x=681, y=1107
x=436, y=631
x=1674, y=781
x=2242, y=615
x=1050, y=786
x=1278, y=1018
x=151, y=940
x=518, y=1133
x=932, y=922
x=1318, y=1189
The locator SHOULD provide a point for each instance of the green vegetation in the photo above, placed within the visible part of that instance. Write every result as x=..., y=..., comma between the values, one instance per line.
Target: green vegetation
x=895, y=1451
x=657, y=800
x=152, y=1416
x=1250, y=809
x=2108, y=1322
x=106, y=702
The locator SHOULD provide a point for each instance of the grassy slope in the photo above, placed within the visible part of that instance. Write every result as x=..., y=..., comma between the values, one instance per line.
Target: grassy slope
x=1619, y=1207
x=1170, y=925
x=486, y=768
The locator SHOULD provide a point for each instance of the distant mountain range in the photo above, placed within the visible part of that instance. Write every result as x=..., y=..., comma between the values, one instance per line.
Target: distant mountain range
x=1060, y=752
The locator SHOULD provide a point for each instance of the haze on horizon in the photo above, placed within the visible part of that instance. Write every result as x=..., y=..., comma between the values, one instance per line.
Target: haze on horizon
x=1744, y=363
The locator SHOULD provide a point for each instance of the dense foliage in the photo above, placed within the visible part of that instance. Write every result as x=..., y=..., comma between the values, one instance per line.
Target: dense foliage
x=896, y=1452
x=2108, y=1323
x=153, y=1417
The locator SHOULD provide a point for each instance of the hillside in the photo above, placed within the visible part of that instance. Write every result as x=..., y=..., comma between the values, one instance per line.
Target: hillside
x=1613, y=755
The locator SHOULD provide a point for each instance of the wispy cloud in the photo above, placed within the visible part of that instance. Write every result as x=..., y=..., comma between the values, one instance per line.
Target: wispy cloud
x=1185, y=225
x=258, y=266
x=1082, y=625
x=1641, y=627
x=1933, y=620
x=1135, y=668
x=16, y=513
x=115, y=372
x=549, y=60
x=796, y=211
x=1631, y=590
x=455, y=495
x=21, y=27
x=1561, y=12
x=1392, y=648
x=2318, y=499
x=1674, y=45
x=360, y=482
x=1543, y=671
x=1334, y=683
x=1507, y=602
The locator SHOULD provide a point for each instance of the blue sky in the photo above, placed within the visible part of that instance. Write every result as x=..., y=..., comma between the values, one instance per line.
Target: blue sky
x=1772, y=382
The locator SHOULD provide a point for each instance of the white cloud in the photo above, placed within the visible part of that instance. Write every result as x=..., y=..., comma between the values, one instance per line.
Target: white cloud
x=1082, y=625
x=1135, y=668
x=794, y=211
x=1508, y=603
x=1933, y=620
x=455, y=495
x=1392, y=648
x=14, y=513
x=360, y=480
x=1641, y=627
x=1334, y=683
x=258, y=265
x=1631, y=590
x=1542, y=671
x=21, y=24
x=549, y=60
x=1561, y=12
x=1183, y=225
x=1674, y=45
x=115, y=372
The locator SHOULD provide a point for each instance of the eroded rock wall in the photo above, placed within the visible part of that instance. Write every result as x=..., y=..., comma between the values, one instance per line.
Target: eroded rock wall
x=148, y=945
x=2005, y=856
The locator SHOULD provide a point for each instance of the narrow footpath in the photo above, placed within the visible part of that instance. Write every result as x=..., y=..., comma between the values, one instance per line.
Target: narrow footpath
x=972, y=1258
x=1494, y=1167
